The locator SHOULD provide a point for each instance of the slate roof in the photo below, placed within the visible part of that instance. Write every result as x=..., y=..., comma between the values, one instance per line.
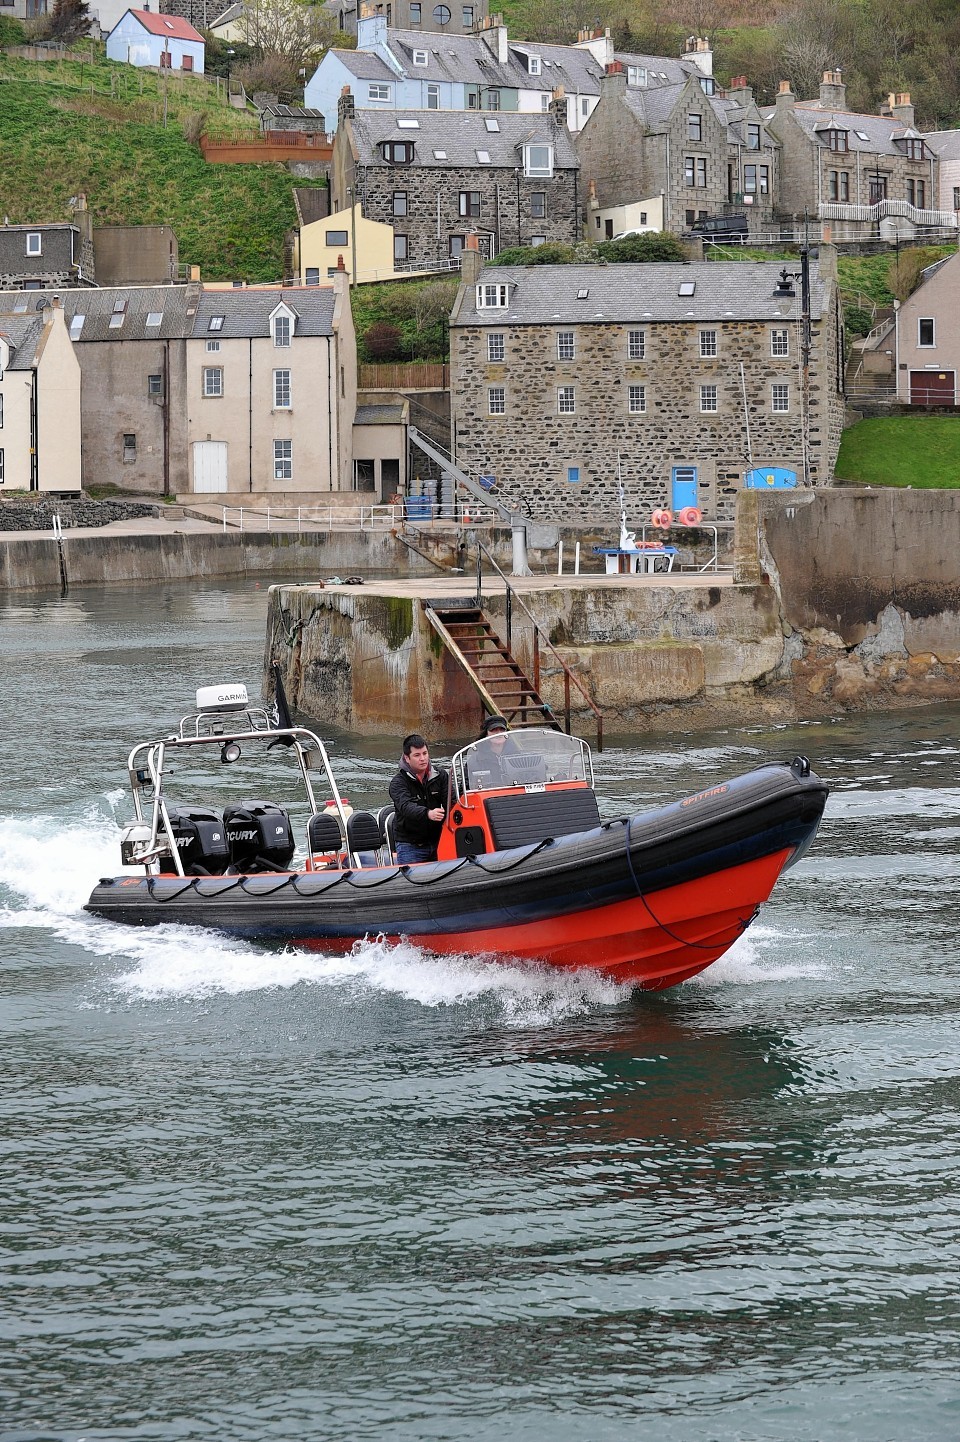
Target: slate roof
x=458, y=135
x=868, y=134
x=171, y=27
x=365, y=65
x=23, y=333
x=379, y=415
x=247, y=312
x=946, y=143
x=654, y=105
x=548, y=294
x=660, y=69
x=469, y=60
x=184, y=310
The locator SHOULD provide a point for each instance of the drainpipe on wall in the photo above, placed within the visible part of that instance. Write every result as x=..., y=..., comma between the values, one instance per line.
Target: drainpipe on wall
x=249, y=414
x=34, y=435
x=165, y=417
x=330, y=413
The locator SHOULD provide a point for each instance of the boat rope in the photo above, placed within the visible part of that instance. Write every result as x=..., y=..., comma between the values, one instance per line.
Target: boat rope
x=172, y=892
x=264, y=891
x=741, y=924
x=503, y=870
x=406, y=871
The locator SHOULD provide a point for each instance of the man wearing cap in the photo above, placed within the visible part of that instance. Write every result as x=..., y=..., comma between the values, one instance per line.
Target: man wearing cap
x=486, y=764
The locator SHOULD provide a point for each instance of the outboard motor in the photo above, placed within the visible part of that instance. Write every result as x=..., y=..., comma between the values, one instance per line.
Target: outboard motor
x=259, y=836
x=201, y=840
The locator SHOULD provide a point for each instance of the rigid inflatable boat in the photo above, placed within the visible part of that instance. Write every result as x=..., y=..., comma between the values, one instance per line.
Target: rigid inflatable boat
x=527, y=868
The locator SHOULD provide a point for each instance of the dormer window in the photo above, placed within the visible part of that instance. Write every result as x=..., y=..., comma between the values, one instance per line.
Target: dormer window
x=492, y=297
x=708, y=85
x=914, y=149
x=838, y=139
x=397, y=152
x=421, y=57
x=538, y=161
x=753, y=137
x=281, y=324
x=636, y=75
x=533, y=64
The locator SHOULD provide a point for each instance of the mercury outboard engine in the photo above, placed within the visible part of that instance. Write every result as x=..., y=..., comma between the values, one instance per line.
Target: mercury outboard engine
x=259, y=836
x=201, y=840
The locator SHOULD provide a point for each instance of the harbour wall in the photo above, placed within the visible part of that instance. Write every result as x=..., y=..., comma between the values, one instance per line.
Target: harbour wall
x=840, y=601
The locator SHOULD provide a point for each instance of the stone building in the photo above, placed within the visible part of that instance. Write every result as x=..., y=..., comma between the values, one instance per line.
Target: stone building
x=945, y=145
x=682, y=377
x=439, y=177
x=42, y=257
x=189, y=389
x=863, y=174
x=700, y=156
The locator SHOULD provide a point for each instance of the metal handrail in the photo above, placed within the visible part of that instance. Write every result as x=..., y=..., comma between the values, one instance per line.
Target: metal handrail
x=538, y=635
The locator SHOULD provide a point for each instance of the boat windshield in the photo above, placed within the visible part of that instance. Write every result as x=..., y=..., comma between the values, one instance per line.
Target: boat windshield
x=522, y=758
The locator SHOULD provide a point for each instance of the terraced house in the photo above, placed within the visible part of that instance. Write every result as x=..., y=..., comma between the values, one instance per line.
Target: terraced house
x=438, y=178
x=856, y=172
x=682, y=378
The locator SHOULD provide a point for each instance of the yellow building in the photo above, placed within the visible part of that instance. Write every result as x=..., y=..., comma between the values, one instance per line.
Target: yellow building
x=326, y=246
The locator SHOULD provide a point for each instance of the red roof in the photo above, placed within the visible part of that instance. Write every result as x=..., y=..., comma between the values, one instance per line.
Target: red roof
x=171, y=26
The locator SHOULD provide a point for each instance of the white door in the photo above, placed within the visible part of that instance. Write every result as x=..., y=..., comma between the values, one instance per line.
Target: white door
x=209, y=465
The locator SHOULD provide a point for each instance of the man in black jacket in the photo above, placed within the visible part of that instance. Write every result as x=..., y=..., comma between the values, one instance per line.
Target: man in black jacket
x=419, y=796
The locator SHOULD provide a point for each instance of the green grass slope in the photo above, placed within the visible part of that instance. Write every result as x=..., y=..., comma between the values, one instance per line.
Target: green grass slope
x=99, y=128
x=919, y=451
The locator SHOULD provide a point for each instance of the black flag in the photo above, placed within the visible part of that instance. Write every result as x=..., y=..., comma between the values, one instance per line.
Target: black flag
x=284, y=721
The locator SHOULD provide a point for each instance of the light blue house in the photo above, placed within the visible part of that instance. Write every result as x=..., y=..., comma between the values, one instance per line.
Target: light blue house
x=419, y=70
x=167, y=42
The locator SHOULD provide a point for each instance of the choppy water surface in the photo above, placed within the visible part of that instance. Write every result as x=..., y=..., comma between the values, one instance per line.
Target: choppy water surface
x=293, y=1196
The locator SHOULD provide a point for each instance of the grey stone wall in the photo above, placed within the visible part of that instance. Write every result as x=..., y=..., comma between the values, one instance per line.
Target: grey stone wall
x=114, y=380
x=531, y=448
x=27, y=516
x=499, y=188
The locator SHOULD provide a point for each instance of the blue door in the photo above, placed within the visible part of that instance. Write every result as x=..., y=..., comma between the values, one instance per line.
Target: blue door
x=683, y=488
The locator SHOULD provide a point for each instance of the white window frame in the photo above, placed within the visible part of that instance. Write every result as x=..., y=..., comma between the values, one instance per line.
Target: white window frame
x=213, y=345
x=709, y=400
x=708, y=345
x=636, y=399
x=2, y=469
x=930, y=344
x=282, y=332
x=433, y=93
x=282, y=390
x=779, y=342
x=780, y=398
x=543, y=170
x=566, y=345
x=283, y=460
x=566, y=400
x=497, y=401
x=636, y=345
x=496, y=347
x=213, y=383
x=421, y=57
x=379, y=92
x=636, y=75
x=533, y=65
x=492, y=296
x=1, y=411
x=34, y=242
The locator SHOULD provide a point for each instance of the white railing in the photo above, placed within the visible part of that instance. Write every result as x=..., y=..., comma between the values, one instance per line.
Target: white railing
x=831, y=210
x=450, y=262
x=365, y=518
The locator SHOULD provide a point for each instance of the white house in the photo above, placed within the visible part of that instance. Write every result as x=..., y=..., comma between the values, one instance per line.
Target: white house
x=39, y=397
x=165, y=41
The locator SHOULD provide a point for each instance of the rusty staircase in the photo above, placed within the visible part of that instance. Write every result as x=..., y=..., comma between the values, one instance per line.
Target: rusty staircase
x=503, y=685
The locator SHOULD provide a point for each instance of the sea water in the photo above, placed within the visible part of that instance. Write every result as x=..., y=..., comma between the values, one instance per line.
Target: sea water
x=285, y=1195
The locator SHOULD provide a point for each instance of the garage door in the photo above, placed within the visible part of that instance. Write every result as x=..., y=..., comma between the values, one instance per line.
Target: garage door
x=932, y=388
x=209, y=465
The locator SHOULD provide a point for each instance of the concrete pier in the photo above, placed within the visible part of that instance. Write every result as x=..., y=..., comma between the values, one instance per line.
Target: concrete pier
x=838, y=600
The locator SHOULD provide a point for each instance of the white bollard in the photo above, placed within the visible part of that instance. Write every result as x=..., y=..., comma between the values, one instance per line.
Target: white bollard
x=560, y=558
x=576, y=559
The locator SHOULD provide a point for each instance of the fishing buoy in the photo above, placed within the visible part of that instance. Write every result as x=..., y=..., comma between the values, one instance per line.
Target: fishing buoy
x=690, y=516
x=655, y=518
x=665, y=521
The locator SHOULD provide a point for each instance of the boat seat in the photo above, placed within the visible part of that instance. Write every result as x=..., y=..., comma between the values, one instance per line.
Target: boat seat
x=387, y=819
x=530, y=816
x=324, y=834
x=365, y=835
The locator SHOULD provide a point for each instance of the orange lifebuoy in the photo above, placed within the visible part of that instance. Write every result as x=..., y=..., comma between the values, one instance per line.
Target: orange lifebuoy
x=690, y=516
x=655, y=518
x=665, y=521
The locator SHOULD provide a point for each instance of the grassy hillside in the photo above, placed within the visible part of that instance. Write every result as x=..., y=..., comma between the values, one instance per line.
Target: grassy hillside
x=98, y=128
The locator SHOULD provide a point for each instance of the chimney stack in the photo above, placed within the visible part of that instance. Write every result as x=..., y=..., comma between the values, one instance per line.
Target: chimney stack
x=833, y=91
x=345, y=106
x=898, y=105
x=558, y=106
x=470, y=262
x=740, y=91
x=786, y=99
